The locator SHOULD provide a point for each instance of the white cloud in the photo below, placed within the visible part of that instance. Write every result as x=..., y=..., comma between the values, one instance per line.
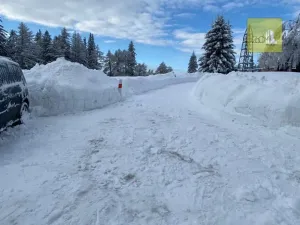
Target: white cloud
x=109, y=41
x=212, y=8
x=130, y=19
x=232, y=5
x=238, y=30
x=189, y=41
x=294, y=5
x=238, y=40
x=144, y=21
x=185, y=15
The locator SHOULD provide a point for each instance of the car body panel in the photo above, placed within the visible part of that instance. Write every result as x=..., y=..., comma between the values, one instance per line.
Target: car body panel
x=13, y=92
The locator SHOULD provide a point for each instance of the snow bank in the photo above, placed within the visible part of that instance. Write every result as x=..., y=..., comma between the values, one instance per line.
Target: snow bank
x=272, y=97
x=139, y=85
x=65, y=87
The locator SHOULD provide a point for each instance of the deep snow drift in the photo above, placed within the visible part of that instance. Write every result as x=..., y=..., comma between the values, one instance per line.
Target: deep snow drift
x=271, y=97
x=65, y=87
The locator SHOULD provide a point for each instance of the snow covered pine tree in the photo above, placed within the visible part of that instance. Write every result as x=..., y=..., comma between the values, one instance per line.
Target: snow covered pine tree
x=3, y=51
x=289, y=58
x=48, y=53
x=193, y=65
x=219, y=49
x=11, y=45
x=161, y=69
x=25, y=47
x=131, y=60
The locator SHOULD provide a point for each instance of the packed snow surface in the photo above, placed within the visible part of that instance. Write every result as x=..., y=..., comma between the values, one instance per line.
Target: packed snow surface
x=203, y=153
x=158, y=159
x=271, y=97
x=65, y=87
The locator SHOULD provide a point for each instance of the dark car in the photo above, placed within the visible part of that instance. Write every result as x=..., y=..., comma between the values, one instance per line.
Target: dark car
x=14, y=101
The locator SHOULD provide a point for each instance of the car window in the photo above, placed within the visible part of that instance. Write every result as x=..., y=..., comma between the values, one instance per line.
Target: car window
x=20, y=73
x=14, y=73
x=4, y=75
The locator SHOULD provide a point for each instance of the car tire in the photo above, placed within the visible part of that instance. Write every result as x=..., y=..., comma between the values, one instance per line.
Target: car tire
x=24, y=112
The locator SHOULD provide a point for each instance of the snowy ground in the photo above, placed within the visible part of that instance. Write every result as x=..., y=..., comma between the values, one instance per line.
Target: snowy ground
x=158, y=158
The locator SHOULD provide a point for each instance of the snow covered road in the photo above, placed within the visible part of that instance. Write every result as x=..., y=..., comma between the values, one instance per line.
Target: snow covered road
x=157, y=158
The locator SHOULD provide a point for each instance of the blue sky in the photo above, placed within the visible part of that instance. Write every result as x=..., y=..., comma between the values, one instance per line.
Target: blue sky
x=162, y=30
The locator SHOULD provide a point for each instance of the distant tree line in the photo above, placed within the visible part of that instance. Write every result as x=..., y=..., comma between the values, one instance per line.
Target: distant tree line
x=289, y=58
x=123, y=62
x=29, y=49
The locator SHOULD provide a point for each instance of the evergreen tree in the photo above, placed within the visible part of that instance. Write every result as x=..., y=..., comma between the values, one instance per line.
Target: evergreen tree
x=193, y=65
x=108, y=63
x=118, y=63
x=124, y=63
x=56, y=43
x=141, y=69
x=162, y=69
x=48, y=54
x=38, y=39
x=83, y=52
x=3, y=33
x=74, y=48
x=65, y=45
x=85, y=43
x=25, y=55
x=288, y=59
x=11, y=45
x=78, y=49
x=219, y=49
x=150, y=72
x=101, y=58
x=273, y=61
x=169, y=69
x=92, y=59
x=131, y=60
